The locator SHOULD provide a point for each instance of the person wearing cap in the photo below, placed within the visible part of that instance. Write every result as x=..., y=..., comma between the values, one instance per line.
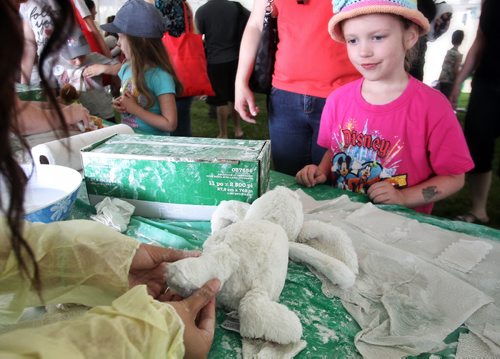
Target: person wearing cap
x=402, y=138
x=149, y=84
x=75, y=67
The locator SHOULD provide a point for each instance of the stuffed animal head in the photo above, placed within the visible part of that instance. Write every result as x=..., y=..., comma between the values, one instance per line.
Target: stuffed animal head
x=280, y=206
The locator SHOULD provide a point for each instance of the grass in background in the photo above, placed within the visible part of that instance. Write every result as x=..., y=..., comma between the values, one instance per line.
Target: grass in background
x=203, y=126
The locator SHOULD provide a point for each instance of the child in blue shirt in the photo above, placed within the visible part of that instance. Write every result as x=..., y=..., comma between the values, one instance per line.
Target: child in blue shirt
x=149, y=84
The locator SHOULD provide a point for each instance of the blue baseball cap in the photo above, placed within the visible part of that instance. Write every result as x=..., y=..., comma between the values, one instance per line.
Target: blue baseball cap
x=137, y=18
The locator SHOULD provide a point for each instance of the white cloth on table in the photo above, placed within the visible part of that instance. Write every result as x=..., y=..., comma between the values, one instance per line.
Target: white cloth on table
x=470, y=346
x=405, y=299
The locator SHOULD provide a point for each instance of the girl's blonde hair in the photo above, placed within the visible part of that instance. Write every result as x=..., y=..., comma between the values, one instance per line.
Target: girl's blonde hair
x=145, y=54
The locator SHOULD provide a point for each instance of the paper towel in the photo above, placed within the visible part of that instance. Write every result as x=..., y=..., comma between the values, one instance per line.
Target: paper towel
x=66, y=151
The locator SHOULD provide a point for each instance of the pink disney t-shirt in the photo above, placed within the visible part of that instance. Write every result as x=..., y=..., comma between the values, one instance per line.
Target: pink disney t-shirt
x=407, y=141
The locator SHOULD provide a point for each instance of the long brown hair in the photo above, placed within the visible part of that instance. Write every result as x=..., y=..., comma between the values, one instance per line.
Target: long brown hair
x=145, y=54
x=14, y=178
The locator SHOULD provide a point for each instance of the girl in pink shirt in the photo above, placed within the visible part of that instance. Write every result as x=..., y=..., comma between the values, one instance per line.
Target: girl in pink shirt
x=387, y=135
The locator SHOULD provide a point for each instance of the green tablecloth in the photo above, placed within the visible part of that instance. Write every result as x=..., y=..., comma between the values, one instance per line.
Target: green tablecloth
x=328, y=329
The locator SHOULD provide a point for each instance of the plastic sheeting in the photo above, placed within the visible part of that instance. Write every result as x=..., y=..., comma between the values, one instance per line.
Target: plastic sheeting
x=328, y=329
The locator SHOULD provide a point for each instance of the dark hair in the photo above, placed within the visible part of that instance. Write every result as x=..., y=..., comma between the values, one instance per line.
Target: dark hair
x=90, y=4
x=14, y=178
x=457, y=37
x=427, y=8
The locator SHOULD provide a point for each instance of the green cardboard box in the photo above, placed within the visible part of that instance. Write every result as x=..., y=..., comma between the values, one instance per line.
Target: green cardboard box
x=176, y=177
x=30, y=93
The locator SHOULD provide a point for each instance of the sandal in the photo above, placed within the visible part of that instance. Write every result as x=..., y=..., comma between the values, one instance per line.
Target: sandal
x=472, y=218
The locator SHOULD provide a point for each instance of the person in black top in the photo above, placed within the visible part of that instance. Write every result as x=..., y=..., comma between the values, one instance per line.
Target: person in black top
x=222, y=22
x=482, y=122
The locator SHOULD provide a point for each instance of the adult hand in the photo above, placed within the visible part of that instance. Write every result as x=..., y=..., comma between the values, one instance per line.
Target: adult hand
x=148, y=266
x=198, y=314
x=244, y=103
x=384, y=192
x=310, y=176
x=76, y=113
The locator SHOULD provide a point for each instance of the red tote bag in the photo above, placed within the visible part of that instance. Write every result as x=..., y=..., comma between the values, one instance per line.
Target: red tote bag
x=187, y=56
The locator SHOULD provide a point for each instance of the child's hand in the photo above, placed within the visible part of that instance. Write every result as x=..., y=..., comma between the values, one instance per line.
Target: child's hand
x=129, y=103
x=384, y=192
x=117, y=104
x=310, y=176
x=94, y=70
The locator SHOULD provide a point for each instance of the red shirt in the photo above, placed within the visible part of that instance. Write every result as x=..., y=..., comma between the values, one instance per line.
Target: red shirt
x=308, y=60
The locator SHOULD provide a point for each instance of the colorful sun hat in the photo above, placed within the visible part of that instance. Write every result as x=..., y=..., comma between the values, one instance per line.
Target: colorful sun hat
x=347, y=9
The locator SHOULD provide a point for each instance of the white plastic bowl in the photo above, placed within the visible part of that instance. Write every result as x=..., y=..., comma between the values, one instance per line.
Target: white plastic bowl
x=50, y=193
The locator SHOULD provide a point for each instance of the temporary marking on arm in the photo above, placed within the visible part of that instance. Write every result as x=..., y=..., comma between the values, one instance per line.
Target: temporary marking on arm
x=429, y=193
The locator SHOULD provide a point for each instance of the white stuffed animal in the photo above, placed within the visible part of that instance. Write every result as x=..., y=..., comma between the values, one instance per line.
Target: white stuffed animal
x=248, y=252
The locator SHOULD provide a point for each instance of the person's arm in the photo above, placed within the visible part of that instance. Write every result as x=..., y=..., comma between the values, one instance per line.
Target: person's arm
x=97, y=36
x=432, y=190
x=88, y=263
x=99, y=69
x=166, y=121
x=470, y=64
x=37, y=117
x=458, y=64
x=133, y=323
x=29, y=53
x=244, y=101
x=311, y=175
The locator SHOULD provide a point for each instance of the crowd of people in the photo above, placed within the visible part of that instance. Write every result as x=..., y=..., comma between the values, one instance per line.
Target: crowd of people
x=342, y=110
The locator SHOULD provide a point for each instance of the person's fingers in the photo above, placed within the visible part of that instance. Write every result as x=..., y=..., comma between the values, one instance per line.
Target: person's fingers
x=206, y=319
x=160, y=254
x=298, y=177
x=320, y=178
x=169, y=296
x=313, y=175
x=247, y=110
x=202, y=296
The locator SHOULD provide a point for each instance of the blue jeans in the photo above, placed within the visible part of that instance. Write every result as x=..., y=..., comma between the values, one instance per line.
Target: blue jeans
x=293, y=127
x=183, y=117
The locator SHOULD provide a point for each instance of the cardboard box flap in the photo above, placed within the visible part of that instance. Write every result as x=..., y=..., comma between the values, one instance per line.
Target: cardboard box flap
x=179, y=148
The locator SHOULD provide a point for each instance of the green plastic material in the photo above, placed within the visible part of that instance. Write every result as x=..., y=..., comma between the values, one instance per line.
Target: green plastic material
x=178, y=170
x=328, y=329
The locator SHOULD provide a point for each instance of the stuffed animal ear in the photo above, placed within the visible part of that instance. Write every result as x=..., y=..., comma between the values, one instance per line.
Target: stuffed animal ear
x=281, y=206
x=227, y=213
